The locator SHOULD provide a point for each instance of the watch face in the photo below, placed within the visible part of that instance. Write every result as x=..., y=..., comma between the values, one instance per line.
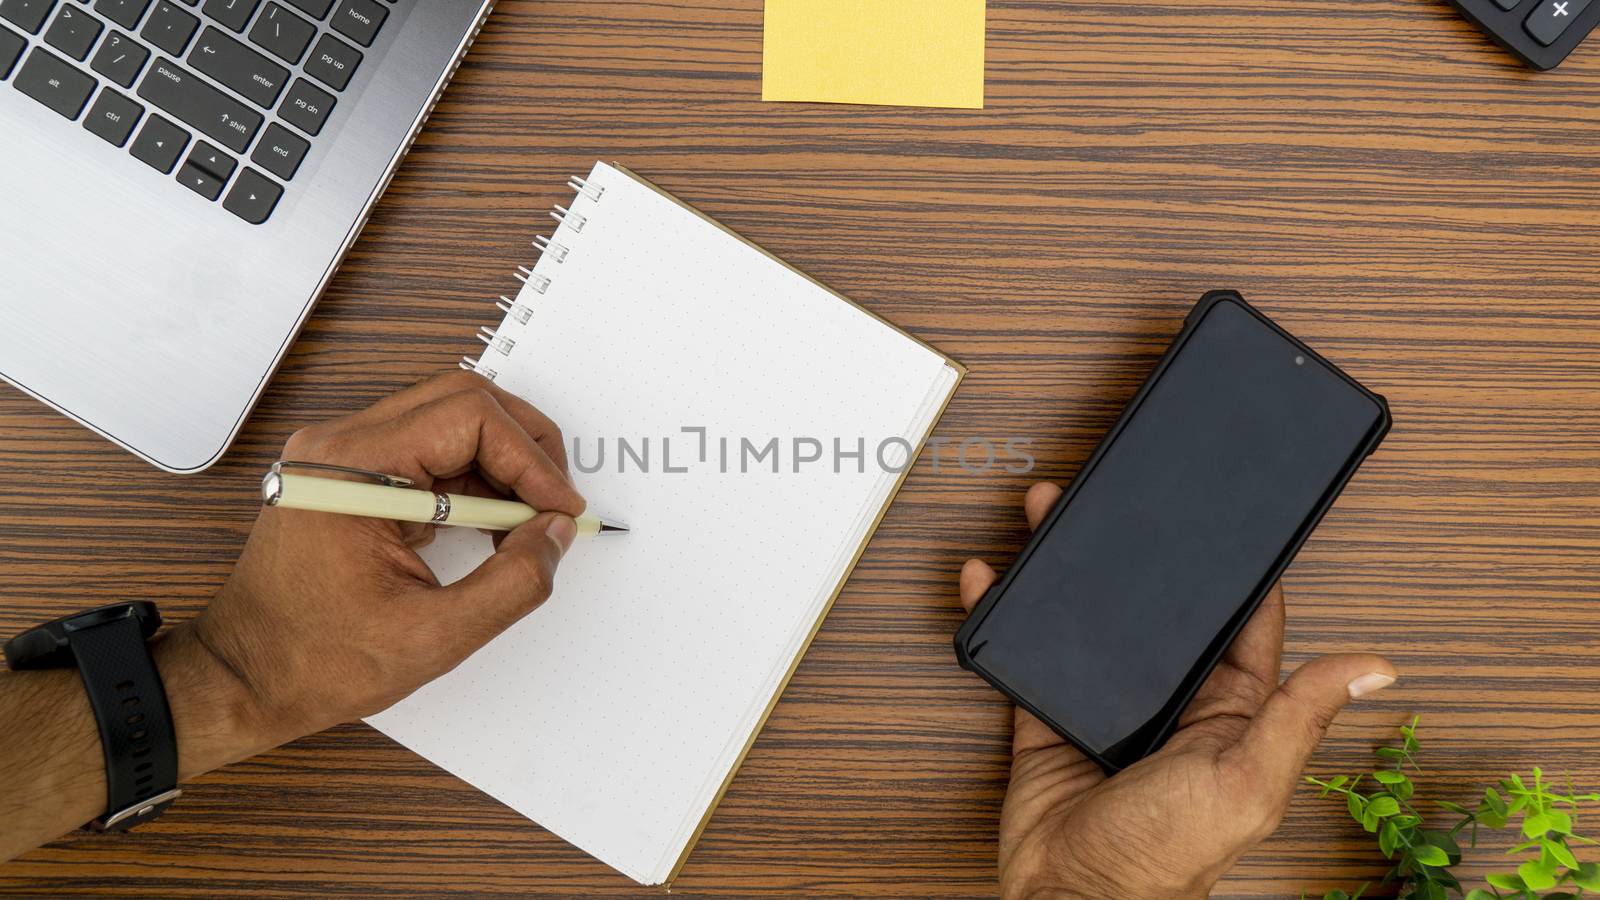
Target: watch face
x=48, y=646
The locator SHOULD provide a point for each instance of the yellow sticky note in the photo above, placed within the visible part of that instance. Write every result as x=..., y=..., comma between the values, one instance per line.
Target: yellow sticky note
x=890, y=52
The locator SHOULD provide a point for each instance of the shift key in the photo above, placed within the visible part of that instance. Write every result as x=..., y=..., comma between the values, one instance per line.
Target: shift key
x=208, y=110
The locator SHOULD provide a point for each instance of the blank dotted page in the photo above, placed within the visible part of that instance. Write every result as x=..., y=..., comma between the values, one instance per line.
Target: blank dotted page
x=613, y=714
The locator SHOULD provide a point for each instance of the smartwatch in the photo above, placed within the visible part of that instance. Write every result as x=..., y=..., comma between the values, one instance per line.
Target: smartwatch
x=107, y=645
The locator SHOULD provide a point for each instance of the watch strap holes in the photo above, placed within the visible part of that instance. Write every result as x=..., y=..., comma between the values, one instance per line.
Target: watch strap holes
x=135, y=719
x=130, y=701
x=125, y=686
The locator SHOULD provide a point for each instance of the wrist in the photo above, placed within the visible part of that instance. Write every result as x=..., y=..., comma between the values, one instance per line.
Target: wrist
x=214, y=712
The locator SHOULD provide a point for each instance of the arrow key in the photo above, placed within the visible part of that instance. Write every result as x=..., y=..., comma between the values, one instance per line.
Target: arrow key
x=159, y=144
x=211, y=160
x=253, y=197
x=200, y=181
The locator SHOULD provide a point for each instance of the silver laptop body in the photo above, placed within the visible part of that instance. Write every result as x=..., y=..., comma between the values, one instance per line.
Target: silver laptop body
x=135, y=305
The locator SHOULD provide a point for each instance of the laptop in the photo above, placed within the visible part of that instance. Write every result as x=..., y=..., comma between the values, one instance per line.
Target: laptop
x=178, y=181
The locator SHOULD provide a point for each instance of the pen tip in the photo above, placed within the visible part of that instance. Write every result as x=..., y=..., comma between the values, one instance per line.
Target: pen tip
x=612, y=527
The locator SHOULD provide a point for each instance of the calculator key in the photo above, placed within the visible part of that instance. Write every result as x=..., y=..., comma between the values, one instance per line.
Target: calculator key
x=11, y=47
x=280, y=151
x=199, y=105
x=283, y=34
x=253, y=197
x=169, y=28
x=1551, y=18
x=248, y=73
x=306, y=107
x=200, y=181
x=73, y=32
x=29, y=15
x=113, y=116
x=316, y=9
x=359, y=20
x=126, y=13
x=235, y=14
x=120, y=59
x=332, y=62
x=159, y=144
x=50, y=80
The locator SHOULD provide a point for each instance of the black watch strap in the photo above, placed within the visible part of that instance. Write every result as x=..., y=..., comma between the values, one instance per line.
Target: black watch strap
x=136, y=733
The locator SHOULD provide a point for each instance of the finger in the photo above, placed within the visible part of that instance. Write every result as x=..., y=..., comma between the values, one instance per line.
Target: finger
x=445, y=437
x=516, y=579
x=976, y=577
x=1258, y=650
x=1287, y=729
x=537, y=424
x=1029, y=734
x=1038, y=502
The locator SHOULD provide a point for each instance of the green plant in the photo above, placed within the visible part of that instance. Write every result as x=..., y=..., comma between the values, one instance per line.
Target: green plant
x=1424, y=856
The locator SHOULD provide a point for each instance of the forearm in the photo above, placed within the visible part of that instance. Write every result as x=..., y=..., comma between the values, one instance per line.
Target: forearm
x=54, y=768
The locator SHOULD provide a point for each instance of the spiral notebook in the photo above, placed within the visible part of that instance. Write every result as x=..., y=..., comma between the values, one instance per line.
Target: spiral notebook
x=750, y=426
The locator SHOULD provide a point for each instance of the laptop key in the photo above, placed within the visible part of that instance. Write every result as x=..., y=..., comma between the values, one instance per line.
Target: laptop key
x=306, y=107
x=283, y=34
x=235, y=14
x=126, y=13
x=253, y=197
x=280, y=151
x=73, y=32
x=11, y=47
x=120, y=59
x=50, y=80
x=199, y=105
x=248, y=73
x=332, y=62
x=29, y=15
x=359, y=20
x=200, y=181
x=316, y=9
x=113, y=116
x=211, y=160
x=159, y=144
x=169, y=28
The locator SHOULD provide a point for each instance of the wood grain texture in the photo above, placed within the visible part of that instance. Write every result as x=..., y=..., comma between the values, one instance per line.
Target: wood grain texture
x=1371, y=172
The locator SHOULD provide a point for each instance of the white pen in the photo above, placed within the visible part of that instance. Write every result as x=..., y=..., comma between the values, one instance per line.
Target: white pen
x=393, y=497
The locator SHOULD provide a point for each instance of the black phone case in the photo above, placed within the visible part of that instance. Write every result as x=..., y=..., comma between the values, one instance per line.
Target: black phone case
x=1219, y=646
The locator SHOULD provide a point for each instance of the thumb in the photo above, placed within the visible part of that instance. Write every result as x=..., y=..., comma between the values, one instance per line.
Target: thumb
x=1290, y=724
x=518, y=577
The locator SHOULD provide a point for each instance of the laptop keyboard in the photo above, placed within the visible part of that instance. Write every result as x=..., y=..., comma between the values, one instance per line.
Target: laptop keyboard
x=224, y=95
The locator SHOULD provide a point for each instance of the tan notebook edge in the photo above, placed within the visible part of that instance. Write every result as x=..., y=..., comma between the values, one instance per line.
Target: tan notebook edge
x=872, y=530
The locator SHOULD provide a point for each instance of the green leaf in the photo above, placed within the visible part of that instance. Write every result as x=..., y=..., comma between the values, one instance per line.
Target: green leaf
x=1480, y=894
x=1561, y=853
x=1560, y=821
x=1493, y=800
x=1393, y=754
x=1338, y=781
x=1456, y=808
x=1429, y=855
x=1536, y=825
x=1369, y=821
x=1444, y=842
x=1389, y=776
x=1506, y=881
x=1588, y=876
x=1536, y=876
x=1388, y=836
x=1357, y=806
x=1383, y=805
x=1336, y=895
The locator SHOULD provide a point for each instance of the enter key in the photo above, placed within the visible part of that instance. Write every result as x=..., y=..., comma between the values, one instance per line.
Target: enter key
x=237, y=67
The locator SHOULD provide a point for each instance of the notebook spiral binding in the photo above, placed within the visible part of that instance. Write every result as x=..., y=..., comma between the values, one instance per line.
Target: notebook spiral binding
x=521, y=313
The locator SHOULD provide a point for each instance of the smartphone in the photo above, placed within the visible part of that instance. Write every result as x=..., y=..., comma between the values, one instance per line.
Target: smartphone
x=1178, y=525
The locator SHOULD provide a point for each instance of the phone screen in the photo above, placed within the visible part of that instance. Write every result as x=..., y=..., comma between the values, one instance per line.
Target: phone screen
x=1163, y=542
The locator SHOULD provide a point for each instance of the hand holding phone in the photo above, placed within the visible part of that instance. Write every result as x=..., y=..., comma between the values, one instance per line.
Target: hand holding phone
x=1173, y=533
x=1170, y=825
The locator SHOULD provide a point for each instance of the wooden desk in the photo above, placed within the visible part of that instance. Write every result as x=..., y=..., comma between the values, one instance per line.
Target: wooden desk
x=1371, y=172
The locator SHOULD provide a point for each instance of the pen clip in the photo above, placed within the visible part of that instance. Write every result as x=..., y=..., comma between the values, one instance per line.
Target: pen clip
x=271, y=481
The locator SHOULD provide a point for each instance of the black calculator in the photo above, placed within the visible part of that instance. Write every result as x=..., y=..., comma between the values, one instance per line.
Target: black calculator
x=1539, y=32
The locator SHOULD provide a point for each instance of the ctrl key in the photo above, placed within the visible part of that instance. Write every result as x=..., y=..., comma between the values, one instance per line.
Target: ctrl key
x=113, y=117
x=253, y=197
